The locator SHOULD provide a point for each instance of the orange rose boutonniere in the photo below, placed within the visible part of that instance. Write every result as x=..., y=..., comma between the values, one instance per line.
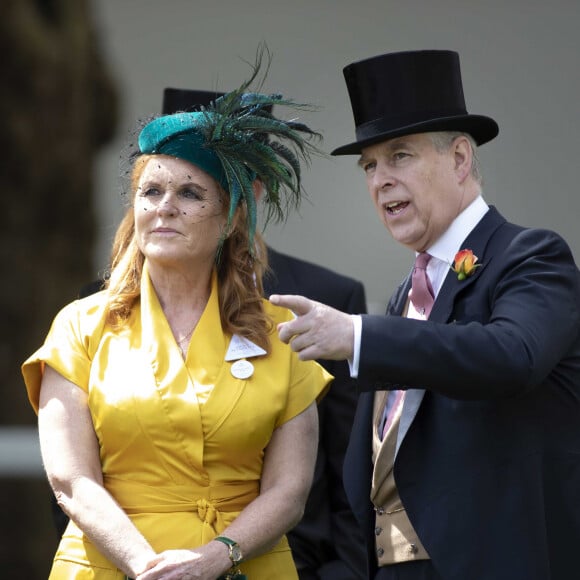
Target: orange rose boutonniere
x=464, y=264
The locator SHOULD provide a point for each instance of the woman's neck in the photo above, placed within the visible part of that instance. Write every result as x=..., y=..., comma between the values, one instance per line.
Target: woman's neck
x=183, y=295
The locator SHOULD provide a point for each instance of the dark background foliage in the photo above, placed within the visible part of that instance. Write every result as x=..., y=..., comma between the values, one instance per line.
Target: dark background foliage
x=58, y=107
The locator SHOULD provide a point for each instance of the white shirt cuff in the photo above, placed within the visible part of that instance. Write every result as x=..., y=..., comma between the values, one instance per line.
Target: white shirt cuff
x=357, y=327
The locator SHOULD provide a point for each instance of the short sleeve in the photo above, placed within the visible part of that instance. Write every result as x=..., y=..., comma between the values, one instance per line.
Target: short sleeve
x=64, y=349
x=308, y=383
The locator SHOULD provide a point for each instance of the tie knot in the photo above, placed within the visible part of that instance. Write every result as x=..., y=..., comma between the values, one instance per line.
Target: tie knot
x=422, y=260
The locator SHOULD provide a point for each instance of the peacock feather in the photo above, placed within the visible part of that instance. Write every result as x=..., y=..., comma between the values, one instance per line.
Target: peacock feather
x=251, y=143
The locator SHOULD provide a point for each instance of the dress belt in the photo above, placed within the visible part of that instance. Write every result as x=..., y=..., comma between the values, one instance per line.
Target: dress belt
x=209, y=502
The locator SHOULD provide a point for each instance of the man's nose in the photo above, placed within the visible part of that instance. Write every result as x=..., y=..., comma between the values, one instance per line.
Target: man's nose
x=383, y=177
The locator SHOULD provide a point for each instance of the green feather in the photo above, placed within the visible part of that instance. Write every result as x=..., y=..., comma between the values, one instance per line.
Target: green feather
x=251, y=143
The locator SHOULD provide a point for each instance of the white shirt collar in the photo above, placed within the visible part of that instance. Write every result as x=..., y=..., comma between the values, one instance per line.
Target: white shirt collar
x=445, y=248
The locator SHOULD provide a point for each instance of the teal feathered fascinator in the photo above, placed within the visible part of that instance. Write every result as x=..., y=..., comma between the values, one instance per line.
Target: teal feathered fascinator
x=237, y=139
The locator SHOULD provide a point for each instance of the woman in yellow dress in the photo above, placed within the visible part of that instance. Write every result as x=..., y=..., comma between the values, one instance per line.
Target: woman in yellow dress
x=178, y=434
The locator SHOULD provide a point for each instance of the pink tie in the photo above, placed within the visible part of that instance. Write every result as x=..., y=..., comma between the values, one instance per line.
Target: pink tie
x=421, y=289
x=394, y=401
x=422, y=299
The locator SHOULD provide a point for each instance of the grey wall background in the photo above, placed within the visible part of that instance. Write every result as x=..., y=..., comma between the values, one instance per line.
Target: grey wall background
x=520, y=65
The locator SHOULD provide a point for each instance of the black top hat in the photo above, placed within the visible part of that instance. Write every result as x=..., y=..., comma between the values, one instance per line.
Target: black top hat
x=409, y=92
x=185, y=100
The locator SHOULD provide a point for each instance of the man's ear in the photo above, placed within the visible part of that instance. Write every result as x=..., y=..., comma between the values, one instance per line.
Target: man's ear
x=258, y=189
x=463, y=157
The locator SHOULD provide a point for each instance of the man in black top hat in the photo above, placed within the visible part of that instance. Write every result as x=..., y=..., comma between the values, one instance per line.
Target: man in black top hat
x=326, y=544
x=464, y=458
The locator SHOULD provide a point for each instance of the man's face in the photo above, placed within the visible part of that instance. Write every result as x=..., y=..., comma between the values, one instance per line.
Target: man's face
x=417, y=190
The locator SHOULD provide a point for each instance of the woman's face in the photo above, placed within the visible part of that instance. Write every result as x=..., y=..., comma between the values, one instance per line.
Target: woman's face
x=180, y=212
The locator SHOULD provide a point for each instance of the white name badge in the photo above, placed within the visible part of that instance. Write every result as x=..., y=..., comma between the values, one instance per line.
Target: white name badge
x=242, y=348
x=242, y=369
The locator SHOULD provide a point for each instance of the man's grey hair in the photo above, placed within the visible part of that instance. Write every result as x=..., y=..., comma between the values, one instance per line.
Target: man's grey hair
x=442, y=140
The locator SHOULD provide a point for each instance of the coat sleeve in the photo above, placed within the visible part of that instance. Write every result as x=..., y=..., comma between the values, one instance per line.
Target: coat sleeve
x=507, y=332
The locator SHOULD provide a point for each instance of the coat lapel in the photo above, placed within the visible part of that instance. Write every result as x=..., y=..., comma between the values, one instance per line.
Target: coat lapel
x=413, y=397
x=477, y=241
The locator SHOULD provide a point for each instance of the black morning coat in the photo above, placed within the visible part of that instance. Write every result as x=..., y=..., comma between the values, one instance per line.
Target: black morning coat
x=488, y=453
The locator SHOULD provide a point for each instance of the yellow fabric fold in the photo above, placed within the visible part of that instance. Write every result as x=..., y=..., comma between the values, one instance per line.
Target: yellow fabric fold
x=181, y=469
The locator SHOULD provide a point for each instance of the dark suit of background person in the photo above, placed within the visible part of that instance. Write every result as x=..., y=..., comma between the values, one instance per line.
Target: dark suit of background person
x=487, y=454
x=327, y=543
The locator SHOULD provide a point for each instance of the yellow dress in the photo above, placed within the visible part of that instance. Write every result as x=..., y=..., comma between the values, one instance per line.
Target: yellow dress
x=181, y=443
